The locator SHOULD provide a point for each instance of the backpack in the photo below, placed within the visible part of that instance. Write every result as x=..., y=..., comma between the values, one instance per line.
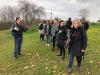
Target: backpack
x=40, y=26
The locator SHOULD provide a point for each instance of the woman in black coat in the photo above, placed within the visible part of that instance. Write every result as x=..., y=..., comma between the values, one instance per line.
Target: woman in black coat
x=78, y=44
x=61, y=39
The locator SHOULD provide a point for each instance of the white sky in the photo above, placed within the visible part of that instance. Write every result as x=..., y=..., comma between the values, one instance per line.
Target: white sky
x=64, y=8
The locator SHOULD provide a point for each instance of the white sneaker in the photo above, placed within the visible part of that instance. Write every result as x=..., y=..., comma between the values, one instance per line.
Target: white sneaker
x=46, y=45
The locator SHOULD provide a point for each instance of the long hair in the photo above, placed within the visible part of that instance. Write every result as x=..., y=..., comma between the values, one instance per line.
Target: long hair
x=48, y=22
x=17, y=18
x=60, y=23
x=54, y=21
x=76, y=20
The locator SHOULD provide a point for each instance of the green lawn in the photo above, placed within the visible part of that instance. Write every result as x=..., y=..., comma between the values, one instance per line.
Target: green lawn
x=39, y=60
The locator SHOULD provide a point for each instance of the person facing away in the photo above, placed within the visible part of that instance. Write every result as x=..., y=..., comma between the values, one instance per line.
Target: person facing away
x=68, y=26
x=61, y=39
x=68, y=23
x=41, y=30
x=85, y=24
x=78, y=44
x=17, y=30
x=47, y=30
x=54, y=31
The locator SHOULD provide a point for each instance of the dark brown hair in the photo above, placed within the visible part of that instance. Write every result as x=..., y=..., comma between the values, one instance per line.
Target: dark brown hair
x=61, y=21
x=17, y=18
x=48, y=22
x=54, y=20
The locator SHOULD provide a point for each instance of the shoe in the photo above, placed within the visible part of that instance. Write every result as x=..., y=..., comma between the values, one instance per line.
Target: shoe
x=15, y=58
x=59, y=55
x=20, y=54
x=79, y=69
x=63, y=58
x=53, y=49
x=48, y=45
x=69, y=70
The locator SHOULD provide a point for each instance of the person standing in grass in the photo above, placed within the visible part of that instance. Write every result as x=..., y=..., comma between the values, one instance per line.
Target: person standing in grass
x=68, y=23
x=54, y=31
x=85, y=24
x=78, y=44
x=61, y=39
x=41, y=30
x=48, y=33
x=17, y=32
x=68, y=26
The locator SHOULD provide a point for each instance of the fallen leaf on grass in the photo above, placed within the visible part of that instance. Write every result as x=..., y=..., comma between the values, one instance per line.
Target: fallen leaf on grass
x=91, y=61
x=46, y=68
x=45, y=64
x=72, y=74
x=98, y=62
x=29, y=54
x=55, y=67
x=63, y=74
x=37, y=54
x=46, y=59
x=54, y=71
x=89, y=73
x=26, y=67
x=32, y=66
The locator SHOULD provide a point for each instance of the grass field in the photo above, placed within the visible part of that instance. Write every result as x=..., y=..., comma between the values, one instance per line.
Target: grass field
x=39, y=60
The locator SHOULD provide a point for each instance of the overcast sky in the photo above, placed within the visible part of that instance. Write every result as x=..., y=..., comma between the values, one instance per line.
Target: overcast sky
x=64, y=8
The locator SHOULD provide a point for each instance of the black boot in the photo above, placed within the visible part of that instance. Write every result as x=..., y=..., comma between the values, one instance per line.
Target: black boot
x=63, y=58
x=59, y=55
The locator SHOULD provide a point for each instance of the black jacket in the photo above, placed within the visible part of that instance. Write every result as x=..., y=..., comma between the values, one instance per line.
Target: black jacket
x=78, y=41
x=68, y=24
x=62, y=34
x=47, y=29
x=85, y=25
x=41, y=26
x=18, y=34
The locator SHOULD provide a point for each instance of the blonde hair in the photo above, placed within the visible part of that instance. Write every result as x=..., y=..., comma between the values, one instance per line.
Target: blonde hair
x=76, y=20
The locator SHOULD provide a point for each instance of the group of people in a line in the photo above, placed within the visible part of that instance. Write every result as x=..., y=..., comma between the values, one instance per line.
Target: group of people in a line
x=69, y=34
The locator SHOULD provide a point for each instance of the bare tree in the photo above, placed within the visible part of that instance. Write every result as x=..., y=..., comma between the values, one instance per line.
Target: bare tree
x=26, y=9
x=84, y=13
x=30, y=11
x=8, y=13
x=37, y=12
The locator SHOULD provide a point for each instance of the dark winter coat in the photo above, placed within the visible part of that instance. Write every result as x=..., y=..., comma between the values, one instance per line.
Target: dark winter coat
x=47, y=29
x=61, y=36
x=18, y=34
x=85, y=26
x=78, y=41
x=68, y=24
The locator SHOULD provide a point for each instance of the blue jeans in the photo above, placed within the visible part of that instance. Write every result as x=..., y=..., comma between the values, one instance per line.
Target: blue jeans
x=68, y=33
x=48, y=39
x=71, y=57
x=18, y=44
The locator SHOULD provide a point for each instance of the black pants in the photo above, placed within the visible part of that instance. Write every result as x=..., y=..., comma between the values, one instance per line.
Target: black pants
x=41, y=37
x=71, y=57
x=54, y=41
x=61, y=46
